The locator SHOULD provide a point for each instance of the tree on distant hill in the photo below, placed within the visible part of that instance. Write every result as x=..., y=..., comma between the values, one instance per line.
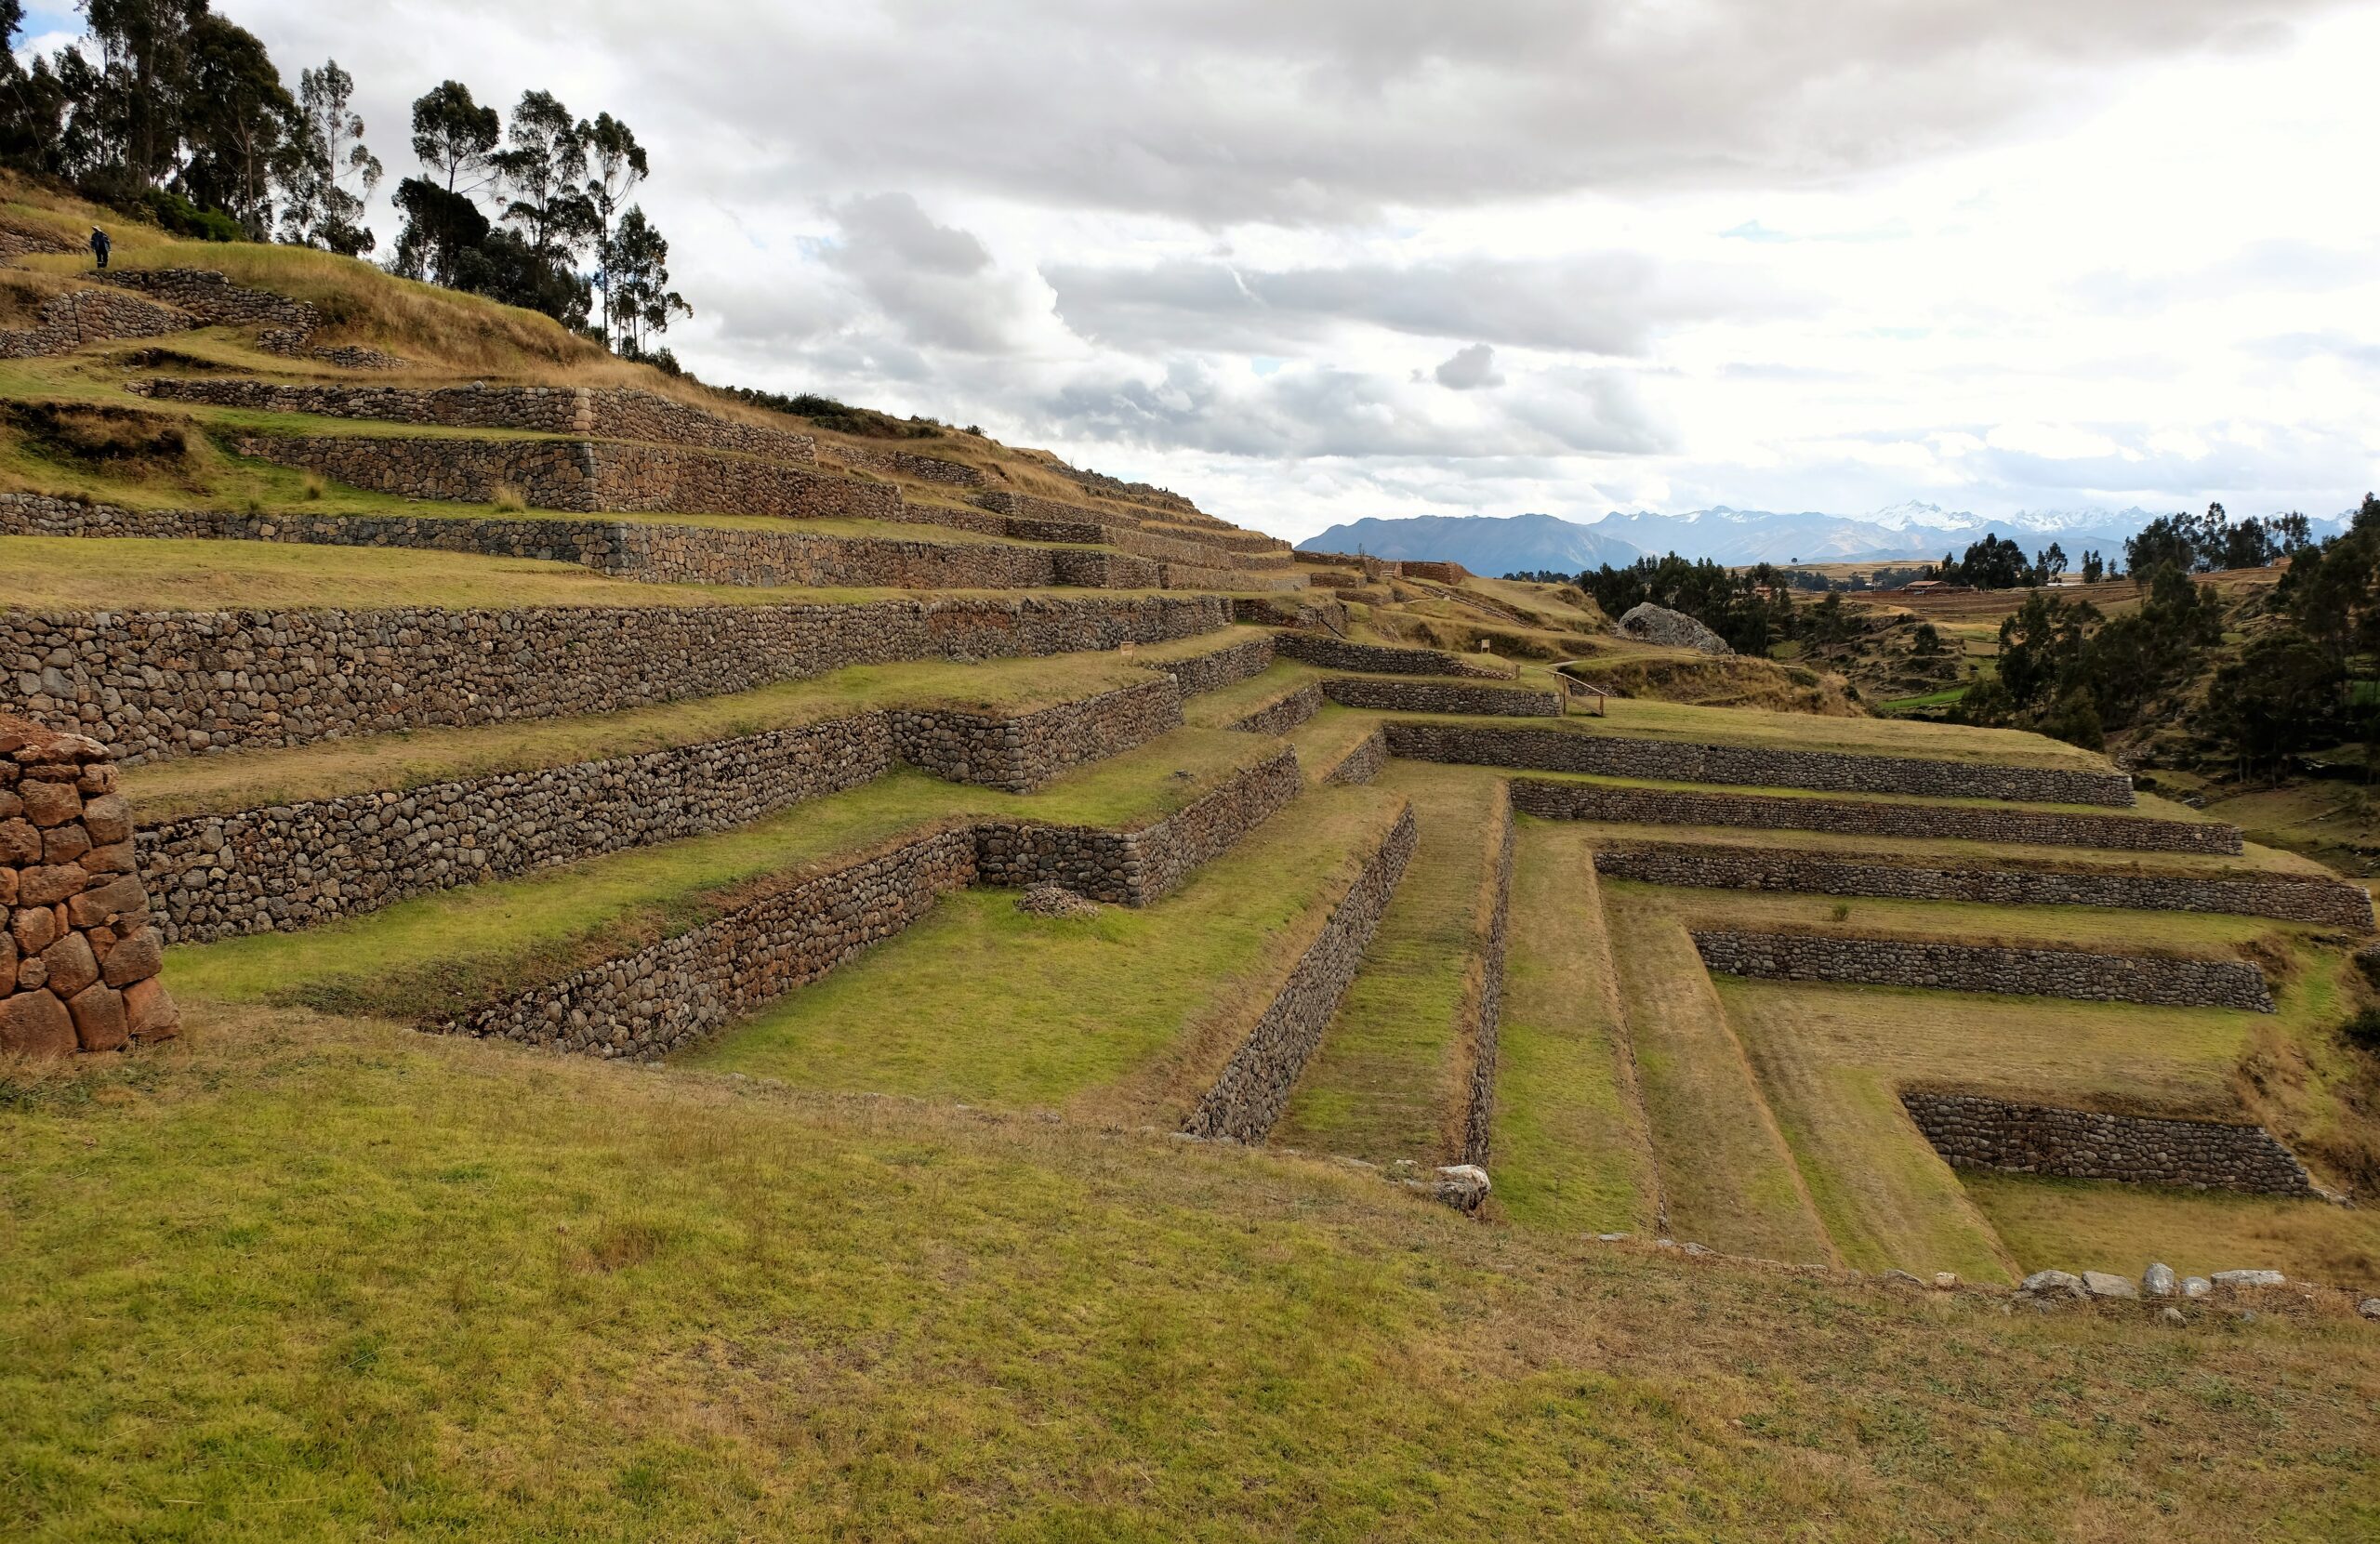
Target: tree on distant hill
x=327, y=171
x=637, y=297
x=237, y=121
x=2068, y=671
x=1729, y=603
x=454, y=138
x=2200, y=544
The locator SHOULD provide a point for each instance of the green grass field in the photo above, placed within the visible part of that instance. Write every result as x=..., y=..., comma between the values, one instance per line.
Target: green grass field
x=1119, y=1016
x=1390, y=1078
x=1743, y=726
x=2081, y=1224
x=1219, y=708
x=298, y=1277
x=1568, y=1148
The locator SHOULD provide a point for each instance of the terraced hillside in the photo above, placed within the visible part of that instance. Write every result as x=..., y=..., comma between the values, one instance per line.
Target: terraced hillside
x=584, y=960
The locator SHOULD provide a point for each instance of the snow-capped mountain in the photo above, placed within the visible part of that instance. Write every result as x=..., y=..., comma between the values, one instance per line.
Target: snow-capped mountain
x=1484, y=543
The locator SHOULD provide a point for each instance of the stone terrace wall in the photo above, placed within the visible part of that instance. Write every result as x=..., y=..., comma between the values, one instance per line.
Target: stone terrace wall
x=1983, y=967
x=1680, y=761
x=2295, y=897
x=1219, y=667
x=1387, y=694
x=78, y=955
x=1021, y=753
x=1483, y=1006
x=1283, y=713
x=606, y=412
x=1337, y=653
x=298, y=865
x=1363, y=761
x=1137, y=867
x=1254, y=1089
x=213, y=301
x=925, y=468
x=582, y=476
x=664, y=996
x=154, y=685
x=84, y=316
x=654, y=553
x=1978, y=1132
x=1624, y=806
x=671, y=993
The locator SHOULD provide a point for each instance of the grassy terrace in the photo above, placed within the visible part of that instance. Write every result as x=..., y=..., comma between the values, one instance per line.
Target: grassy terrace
x=1122, y=1016
x=1728, y=1178
x=247, y=1289
x=207, y=784
x=1390, y=1077
x=79, y=573
x=1643, y=720
x=2252, y=860
x=2161, y=811
x=2075, y=1224
x=437, y=954
x=1324, y=740
x=1220, y=708
x=1569, y=1146
x=2208, y=936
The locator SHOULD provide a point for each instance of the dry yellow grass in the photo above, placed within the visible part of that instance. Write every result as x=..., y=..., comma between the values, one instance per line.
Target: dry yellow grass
x=2083, y=1225
x=1726, y=1175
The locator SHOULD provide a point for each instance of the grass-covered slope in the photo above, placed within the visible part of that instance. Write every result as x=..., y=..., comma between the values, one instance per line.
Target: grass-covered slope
x=302, y=1278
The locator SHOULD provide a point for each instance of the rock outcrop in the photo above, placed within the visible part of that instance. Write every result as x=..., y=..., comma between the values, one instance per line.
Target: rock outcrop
x=1648, y=623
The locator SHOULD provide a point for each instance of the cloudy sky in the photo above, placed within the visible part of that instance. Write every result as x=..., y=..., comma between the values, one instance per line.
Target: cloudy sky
x=1313, y=259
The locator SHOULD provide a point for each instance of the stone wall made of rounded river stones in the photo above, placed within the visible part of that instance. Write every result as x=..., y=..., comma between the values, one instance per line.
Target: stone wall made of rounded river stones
x=156, y=684
x=651, y=552
x=1625, y=806
x=664, y=995
x=2292, y=897
x=1283, y=713
x=1978, y=1131
x=1337, y=653
x=1253, y=1088
x=2090, y=977
x=1760, y=766
x=1019, y=752
x=79, y=955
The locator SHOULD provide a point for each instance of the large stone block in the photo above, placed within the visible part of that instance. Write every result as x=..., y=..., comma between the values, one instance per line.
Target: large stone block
x=35, y=1024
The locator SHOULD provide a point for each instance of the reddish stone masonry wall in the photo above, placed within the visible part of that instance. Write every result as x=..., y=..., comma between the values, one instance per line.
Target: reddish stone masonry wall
x=78, y=958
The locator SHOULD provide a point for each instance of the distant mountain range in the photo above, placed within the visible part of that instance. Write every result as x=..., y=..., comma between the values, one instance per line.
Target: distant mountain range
x=1909, y=532
x=1493, y=545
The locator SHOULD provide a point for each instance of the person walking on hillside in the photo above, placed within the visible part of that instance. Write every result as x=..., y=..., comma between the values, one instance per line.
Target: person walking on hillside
x=99, y=245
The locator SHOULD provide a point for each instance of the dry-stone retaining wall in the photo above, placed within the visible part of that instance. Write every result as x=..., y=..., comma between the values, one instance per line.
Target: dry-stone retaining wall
x=925, y=468
x=1337, y=653
x=1137, y=866
x=297, y=866
x=1283, y=713
x=1685, y=761
x=153, y=684
x=1020, y=753
x=2297, y=898
x=2092, y=977
x=210, y=300
x=1483, y=1006
x=1363, y=761
x=84, y=316
x=583, y=476
x=1627, y=806
x=605, y=413
x=1253, y=1088
x=78, y=955
x=1219, y=667
x=1978, y=1132
x=1388, y=695
x=651, y=551
x=669, y=994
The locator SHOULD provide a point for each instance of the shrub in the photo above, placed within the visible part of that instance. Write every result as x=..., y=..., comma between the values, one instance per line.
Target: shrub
x=2364, y=1030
